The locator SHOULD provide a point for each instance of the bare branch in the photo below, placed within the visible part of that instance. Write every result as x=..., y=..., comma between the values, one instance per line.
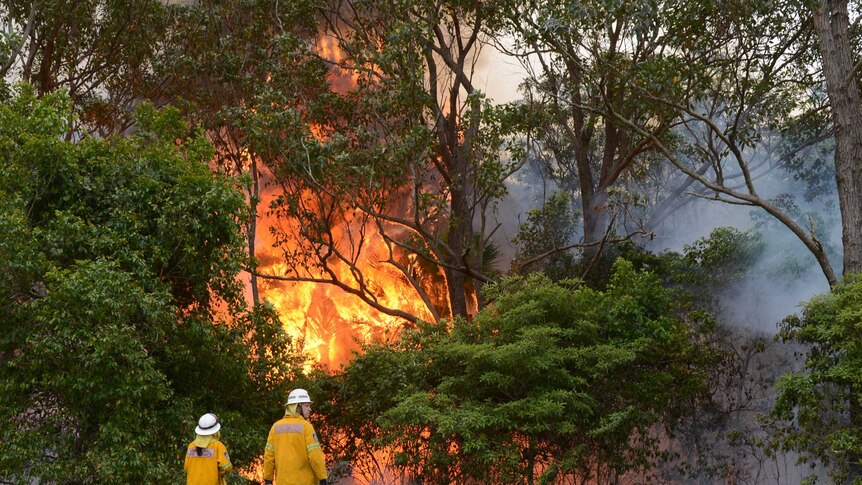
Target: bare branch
x=813, y=245
x=31, y=19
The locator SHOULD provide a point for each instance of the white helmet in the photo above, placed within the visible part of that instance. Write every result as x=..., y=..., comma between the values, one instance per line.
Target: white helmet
x=208, y=424
x=298, y=396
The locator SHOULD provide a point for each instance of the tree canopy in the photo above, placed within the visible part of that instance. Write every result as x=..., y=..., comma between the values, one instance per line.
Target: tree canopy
x=122, y=317
x=817, y=407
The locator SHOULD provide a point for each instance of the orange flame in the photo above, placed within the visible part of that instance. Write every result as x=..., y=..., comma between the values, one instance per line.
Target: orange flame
x=326, y=321
x=341, y=78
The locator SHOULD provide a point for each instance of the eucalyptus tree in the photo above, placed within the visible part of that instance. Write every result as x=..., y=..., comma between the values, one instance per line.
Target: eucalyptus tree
x=808, y=45
x=823, y=402
x=755, y=63
x=408, y=153
x=229, y=61
x=585, y=59
x=711, y=89
x=780, y=70
x=838, y=58
x=103, y=53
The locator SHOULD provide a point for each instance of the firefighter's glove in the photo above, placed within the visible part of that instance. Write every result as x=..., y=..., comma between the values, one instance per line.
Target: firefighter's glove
x=322, y=482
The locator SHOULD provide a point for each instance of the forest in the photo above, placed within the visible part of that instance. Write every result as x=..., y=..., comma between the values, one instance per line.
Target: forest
x=599, y=242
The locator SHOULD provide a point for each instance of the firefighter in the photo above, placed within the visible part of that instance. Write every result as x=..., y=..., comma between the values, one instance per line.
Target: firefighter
x=207, y=460
x=292, y=452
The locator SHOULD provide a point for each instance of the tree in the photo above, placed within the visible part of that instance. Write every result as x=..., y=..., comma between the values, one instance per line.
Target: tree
x=103, y=53
x=228, y=63
x=744, y=79
x=817, y=406
x=217, y=61
x=585, y=59
x=408, y=155
x=840, y=71
x=122, y=318
x=827, y=322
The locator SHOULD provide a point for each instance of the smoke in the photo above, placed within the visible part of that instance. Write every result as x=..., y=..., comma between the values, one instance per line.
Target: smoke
x=497, y=74
x=527, y=189
x=782, y=276
x=786, y=274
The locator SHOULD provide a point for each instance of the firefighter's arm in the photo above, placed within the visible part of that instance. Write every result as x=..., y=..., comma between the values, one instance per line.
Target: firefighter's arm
x=315, y=454
x=224, y=464
x=269, y=457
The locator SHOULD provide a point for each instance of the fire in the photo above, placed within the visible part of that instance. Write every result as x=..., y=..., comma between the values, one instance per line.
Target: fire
x=341, y=79
x=326, y=321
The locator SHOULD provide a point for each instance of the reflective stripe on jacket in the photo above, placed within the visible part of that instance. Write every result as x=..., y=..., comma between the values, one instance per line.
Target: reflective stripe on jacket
x=293, y=454
x=209, y=467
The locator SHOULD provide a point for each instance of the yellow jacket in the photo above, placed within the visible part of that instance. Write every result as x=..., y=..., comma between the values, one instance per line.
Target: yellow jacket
x=293, y=453
x=210, y=467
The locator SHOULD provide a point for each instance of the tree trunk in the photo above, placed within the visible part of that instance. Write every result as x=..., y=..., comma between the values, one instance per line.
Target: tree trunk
x=595, y=216
x=251, y=230
x=832, y=24
x=460, y=236
x=592, y=201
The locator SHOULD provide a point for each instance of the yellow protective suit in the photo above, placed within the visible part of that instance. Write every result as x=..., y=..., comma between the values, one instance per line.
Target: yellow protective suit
x=210, y=467
x=293, y=453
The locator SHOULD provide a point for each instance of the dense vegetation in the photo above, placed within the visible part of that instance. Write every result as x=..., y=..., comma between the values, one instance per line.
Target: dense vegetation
x=143, y=142
x=122, y=315
x=549, y=379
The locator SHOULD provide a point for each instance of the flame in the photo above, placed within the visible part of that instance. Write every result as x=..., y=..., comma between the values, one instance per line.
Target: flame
x=341, y=78
x=326, y=321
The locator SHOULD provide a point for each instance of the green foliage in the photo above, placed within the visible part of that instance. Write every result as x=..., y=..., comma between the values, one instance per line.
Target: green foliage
x=542, y=240
x=707, y=269
x=121, y=316
x=721, y=259
x=118, y=257
x=349, y=402
x=102, y=51
x=555, y=378
x=821, y=405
